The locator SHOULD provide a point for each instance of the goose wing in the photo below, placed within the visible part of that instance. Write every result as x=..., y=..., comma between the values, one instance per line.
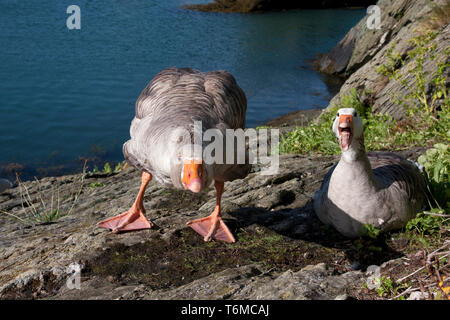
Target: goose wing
x=176, y=97
x=401, y=177
x=189, y=94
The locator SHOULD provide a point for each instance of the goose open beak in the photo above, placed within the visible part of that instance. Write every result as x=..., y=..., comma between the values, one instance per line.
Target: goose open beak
x=345, y=131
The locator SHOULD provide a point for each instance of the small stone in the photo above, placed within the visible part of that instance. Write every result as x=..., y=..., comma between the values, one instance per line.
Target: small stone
x=373, y=269
x=373, y=282
x=418, y=296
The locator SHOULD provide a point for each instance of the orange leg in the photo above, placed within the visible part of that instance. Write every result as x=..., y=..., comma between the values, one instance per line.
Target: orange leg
x=213, y=227
x=134, y=218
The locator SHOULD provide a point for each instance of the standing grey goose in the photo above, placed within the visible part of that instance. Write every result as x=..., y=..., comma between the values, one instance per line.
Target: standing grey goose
x=167, y=108
x=382, y=189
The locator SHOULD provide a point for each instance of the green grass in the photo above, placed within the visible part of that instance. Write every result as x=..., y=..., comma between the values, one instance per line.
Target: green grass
x=389, y=288
x=107, y=168
x=96, y=185
x=436, y=162
x=370, y=231
x=46, y=206
x=426, y=123
x=427, y=106
x=381, y=131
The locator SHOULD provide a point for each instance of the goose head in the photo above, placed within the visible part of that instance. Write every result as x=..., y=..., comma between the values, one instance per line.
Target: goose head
x=348, y=128
x=194, y=175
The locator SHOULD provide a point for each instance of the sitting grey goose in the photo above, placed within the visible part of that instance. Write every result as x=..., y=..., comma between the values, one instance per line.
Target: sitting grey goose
x=167, y=109
x=382, y=189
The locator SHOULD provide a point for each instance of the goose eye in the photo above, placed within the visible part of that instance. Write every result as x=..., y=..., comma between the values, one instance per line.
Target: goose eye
x=355, y=114
x=338, y=114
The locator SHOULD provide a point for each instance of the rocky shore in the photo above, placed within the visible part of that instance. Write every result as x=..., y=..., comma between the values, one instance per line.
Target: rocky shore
x=362, y=51
x=250, y=6
x=282, y=251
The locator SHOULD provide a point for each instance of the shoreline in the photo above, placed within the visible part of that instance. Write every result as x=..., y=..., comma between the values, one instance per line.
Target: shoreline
x=261, y=6
x=284, y=122
x=283, y=252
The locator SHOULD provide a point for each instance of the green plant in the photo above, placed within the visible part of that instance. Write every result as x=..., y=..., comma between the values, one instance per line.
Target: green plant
x=96, y=185
x=385, y=287
x=400, y=14
x=436, y=163
x=370, y=231
x=107, y=168
x=417, y=98
x=426, y=103
x=119, y=166
x=426, y=226
x=425, y=223
x=318, y=136
x=45, y=207
x=394, y=62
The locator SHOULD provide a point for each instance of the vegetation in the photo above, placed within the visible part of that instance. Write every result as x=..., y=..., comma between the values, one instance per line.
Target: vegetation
x=417, y=102
x=438, y=18
x=427, y=104
x=427, y=228
x=436, y=162
x=426, y=123
x=426, y=232
x=96, y=185
x=191, y=258
x=370, y=231
x=107, y=168
x=47, y=206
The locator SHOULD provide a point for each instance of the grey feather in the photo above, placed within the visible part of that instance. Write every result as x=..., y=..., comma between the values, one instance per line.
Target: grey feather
x=174, y=99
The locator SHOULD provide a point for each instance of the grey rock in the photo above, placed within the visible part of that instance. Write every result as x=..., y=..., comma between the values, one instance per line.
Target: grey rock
x=362, y=50
x=5, y=184
x=417, y=295
x=373, y=270
x=34, y=256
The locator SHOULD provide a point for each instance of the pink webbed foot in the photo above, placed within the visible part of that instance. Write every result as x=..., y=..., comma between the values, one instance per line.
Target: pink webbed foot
x=212, y=227
x=128, y=221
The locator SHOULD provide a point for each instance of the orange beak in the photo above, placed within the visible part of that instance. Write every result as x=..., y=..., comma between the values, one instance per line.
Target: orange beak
x=192, y=175
x=345, y=131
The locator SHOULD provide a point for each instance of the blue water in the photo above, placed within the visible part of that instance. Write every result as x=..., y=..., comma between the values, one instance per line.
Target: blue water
x=66, y=94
